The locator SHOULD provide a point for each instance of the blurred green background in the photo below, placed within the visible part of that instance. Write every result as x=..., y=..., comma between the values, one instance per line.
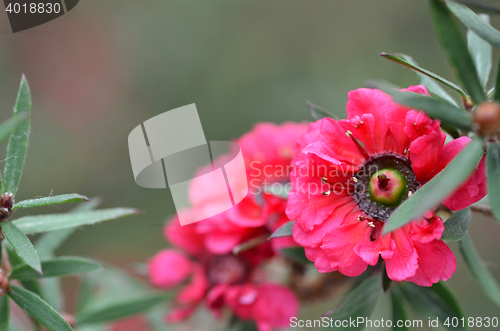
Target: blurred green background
x=107, y=66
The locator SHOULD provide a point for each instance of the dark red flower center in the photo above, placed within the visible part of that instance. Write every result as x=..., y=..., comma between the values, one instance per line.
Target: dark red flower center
x=227, y=269
x=383, y=183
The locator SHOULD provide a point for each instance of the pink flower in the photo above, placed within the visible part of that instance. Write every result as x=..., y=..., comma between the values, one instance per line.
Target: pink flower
x=205, y=263
x=221, y=280
x=349, y=176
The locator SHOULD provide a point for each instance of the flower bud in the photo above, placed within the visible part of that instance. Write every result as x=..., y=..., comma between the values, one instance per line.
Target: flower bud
x=6, y=204
x=487, y=118
x=4, y=284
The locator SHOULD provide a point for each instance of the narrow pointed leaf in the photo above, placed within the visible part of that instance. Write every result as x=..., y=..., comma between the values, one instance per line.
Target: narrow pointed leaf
x=318, y=112
x=496, y=92
x=479, y=271
x=435, y=108
x=408, y=62
x=359, y=302
x=22, y=245
x=482, y=5
x=481, y=53
x=398, y=310
x=120, y=309
x=49, y=242
x=455, y=48
x=446, y=294
x=51, y=222
x=52, y=293
x=4, y=313
x=53, y=200
x=10, y=124
x=455, y=227
x=438, y=188
x=38, y=309
x=493, y=175
x=430, y=303
x=18, y=142
x=61, y=266
x=475, y=23
x=283, y=231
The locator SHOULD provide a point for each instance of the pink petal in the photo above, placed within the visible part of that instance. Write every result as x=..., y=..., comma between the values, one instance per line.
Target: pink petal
x=370, y=252
x=274, y=308
x=424, y=153
x=435, y=262
x=195, y=290
x=168, y=268
x=368, y=101
x=339, y=248
x=474, y=188
x=403, y=263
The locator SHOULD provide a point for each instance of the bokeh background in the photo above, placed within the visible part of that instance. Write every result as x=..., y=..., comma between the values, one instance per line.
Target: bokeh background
x=107, y=66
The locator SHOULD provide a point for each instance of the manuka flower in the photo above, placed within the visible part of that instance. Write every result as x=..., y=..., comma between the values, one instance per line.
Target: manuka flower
x=220, y=280
x=349, y=176
x=204, y=258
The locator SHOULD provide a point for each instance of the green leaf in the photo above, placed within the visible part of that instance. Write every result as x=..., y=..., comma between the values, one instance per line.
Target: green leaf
x=438, y=188
x=448, y=297
x=51, y=222
x=493, y=175
x=18, y=142
x=47, y=201
x=455, y=48
x=423, y=74
x=52, y=293
x=481, y=5
x=496, y=92
x=38, y=309
x=481, y=53
x=10, y=124
x=4, y=313
x=120, y=309
x=479, y=271
x=49, y=242
x=283, y=231
x=318, y=112
x=455, y=227
x=359, y=302
x=475, y=23
x=61, y=266
x=430, y=83
x=428, y=302
x=22, y=245
x=435, y=108
x=398, y=310
x=296, y=254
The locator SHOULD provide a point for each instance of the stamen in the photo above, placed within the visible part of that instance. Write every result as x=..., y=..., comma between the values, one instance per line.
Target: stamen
x=324, y=180
x=371, y=225
x=361, y=122
x=407, y=151
x=327, y=193
x=410, y=193
x=354, y=179
x=348, y=134
x=361, y=218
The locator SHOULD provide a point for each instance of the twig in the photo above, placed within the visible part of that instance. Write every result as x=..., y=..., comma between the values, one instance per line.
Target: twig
x=483, y=209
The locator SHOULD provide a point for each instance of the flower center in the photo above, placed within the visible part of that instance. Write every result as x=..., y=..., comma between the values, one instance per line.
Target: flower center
x=226, y=269
x=383, y=183
x=387, y=187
